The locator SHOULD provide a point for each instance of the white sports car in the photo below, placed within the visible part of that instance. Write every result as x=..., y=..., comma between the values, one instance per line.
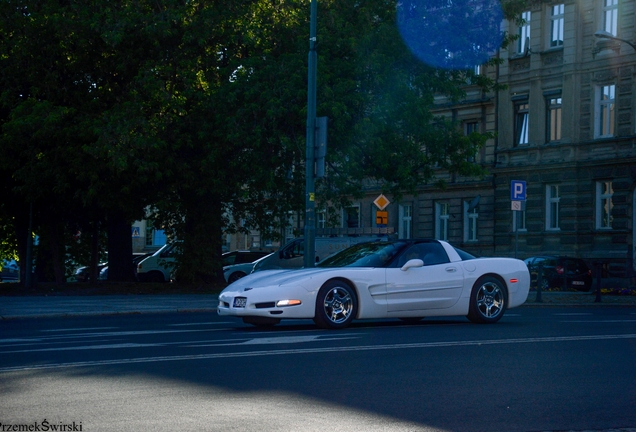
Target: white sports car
x=406, y=279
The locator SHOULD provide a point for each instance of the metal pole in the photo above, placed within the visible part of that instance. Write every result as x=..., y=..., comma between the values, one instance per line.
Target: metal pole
x=517, y=223
x=310, y=204
x=599, y=271
x=539, y=299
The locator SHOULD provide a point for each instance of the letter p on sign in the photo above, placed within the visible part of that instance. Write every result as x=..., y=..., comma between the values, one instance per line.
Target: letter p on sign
x=518, y=190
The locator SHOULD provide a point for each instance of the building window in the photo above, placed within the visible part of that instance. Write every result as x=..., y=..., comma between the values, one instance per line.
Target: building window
x=321, y=219
x=442, y=214
x=470, y=127
x=155, y=237
x=470, y=222
x=605, y=98
x=556, y=28
x=351, y=217
x=406, y=221
x=524, y=33
x=519, y=220
x=289, y=228
x=610, y=16
x=604, y=205
x=554, y=119
x=521, y=123
x=552, y=199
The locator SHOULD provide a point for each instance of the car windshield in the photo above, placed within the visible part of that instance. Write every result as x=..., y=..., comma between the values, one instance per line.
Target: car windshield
x=376, y=254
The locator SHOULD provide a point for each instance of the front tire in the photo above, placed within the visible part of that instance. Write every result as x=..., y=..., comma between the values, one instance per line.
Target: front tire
x=488, y=301
x=336, y=305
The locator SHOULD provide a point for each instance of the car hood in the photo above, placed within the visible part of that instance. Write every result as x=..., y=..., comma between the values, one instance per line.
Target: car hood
x=269, y=278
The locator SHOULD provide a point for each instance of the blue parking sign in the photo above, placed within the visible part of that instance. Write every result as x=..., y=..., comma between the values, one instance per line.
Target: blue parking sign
x=518, y=190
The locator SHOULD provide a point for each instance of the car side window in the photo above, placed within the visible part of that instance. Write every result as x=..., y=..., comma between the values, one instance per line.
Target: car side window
x=430, y=253
x=538, y=261
x=295, y=250
x=242, y=258
x=169, y=252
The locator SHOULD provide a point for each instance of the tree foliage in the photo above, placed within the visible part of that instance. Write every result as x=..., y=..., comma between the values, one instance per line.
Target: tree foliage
x=197, y=110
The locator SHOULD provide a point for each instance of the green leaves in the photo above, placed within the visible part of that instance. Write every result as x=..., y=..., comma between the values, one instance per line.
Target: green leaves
x=118, y=105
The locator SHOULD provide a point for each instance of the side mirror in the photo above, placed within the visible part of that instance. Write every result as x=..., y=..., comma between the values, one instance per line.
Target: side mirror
x=412, y=264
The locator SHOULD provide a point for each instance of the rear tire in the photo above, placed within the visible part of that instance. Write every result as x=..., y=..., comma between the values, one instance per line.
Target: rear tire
x=336, y=305
x=488, y=301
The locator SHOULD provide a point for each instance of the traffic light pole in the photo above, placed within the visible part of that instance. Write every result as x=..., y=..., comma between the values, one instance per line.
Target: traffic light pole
x=310, y=204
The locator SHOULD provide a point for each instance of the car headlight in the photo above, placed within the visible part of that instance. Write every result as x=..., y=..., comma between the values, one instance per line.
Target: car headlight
x=289, y=302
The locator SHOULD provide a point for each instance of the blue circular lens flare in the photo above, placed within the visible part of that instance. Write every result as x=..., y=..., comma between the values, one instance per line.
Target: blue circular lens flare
x=451, y=34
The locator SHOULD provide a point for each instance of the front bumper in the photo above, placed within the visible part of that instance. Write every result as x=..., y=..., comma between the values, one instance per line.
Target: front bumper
x=262, y=302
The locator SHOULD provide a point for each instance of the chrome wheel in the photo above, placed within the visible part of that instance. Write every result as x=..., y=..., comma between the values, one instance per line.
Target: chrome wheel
x=488, y=301
x=336, y=305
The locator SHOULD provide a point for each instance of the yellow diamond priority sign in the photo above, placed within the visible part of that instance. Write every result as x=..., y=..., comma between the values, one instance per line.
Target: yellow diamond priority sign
x=381, y=202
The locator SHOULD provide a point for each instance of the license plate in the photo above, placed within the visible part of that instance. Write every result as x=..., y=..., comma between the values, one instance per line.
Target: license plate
x=240, y=302
x=578, y=283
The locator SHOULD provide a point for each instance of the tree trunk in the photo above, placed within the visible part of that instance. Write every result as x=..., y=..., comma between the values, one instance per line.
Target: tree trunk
x=94, y=273
x=21, y=226
x=202, y=242
x=120, y=267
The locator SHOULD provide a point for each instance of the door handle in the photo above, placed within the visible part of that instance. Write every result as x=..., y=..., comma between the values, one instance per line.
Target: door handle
x=451, y=269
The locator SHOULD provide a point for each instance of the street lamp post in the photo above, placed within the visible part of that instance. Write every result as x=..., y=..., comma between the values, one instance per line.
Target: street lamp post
x=602, y=34
x=310, y=204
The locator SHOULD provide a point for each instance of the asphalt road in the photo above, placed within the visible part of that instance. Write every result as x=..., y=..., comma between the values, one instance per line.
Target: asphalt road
x=539, y=369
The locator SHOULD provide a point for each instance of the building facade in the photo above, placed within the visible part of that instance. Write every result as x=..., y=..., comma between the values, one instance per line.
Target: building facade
x=565, y=125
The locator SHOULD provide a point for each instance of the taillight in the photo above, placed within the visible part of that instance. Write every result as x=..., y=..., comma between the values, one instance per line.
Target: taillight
x=559, y=270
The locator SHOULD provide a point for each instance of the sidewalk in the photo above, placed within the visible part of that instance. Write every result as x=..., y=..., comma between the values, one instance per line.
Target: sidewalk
x=578, y=299
x=54, y=306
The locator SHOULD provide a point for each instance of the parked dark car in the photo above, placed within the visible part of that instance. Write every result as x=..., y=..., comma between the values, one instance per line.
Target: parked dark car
x=136, y=258
x=10, y=271
x=82, y=274
x=560, y=272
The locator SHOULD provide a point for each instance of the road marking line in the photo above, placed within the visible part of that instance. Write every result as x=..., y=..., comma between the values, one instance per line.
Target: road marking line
x=101, y=334
x=87, y=347
x=201, y=323
x=275, y=340
x=572, y=314
x=78, y=329
x=601, y=321
x=315, y=350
